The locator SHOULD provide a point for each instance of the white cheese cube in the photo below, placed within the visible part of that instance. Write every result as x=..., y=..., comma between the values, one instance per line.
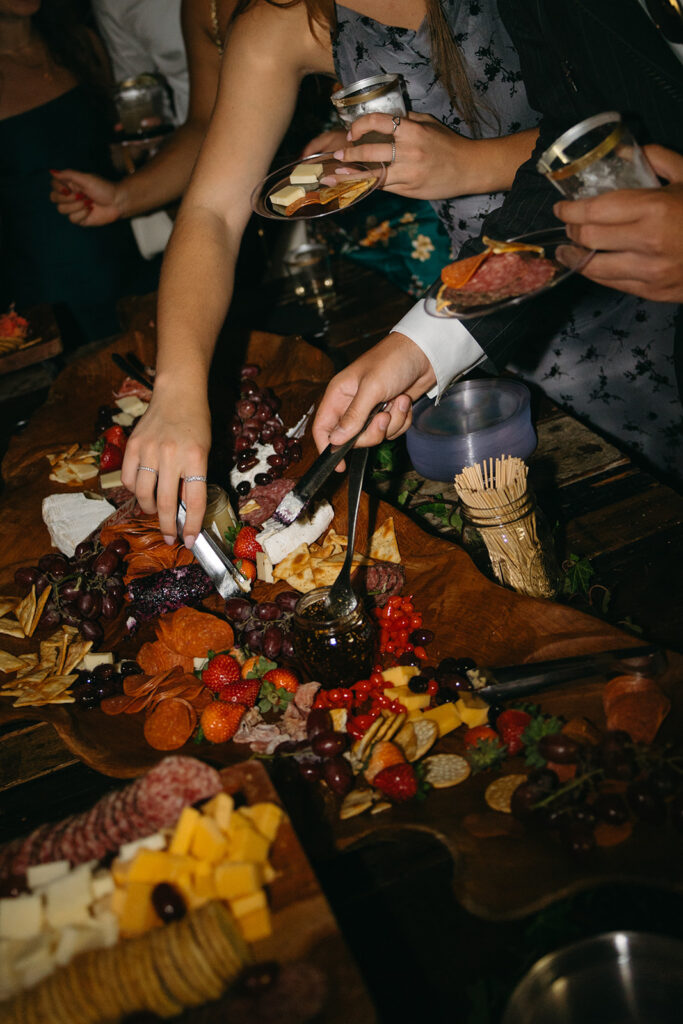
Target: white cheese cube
x=153, y=842
x=21, y=917
x=277, y=543
x=306, y=174
x=264, y=567
x=123, y=419
x=108, y=480
x=287, y=195
x=200, y=664
x=74, y=940
x=106, y=924
x=36, y=961
x=91, y=661
x=101, y=884
x=41, y=874
x=67, y=899
x=133, y=406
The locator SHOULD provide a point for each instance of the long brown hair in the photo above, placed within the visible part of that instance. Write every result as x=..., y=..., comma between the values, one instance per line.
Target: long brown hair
x=447, y=60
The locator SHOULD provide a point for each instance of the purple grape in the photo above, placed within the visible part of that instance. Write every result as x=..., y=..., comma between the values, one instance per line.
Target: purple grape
x=279, y=447
x=287, y=649
x=237, y=609
x=26, y=576
x=328, y=744
x=106, y=563
x=253, y=638
x=318, y=721
x=263, y=412
x=41, y=584
x=242, y=446
x=287, y=600
x=267, y=611
x=120, y=546
x=249, y=371
x=311, y=771
x=50, y=618
x=560, y=748
x=109, y=607
x=130, y=668
x=252, y=433
x=245, y=409
x=70, y=591
x=91, y=631
x=272, y=641
x=83, y=549
x=267, y=434
x=338, y=775
x=71, y=615
x=89, y=605
x=294, y=451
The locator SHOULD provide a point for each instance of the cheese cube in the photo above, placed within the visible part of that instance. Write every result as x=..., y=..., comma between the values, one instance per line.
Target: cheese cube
x=400, y=675
x=158, y=866
x=21, y=917
x=306, y=174
x=446, y=717
x=220, y=808
x=200, y=664
x=256, y=925
x=208, y=842
x=120, y=870
x=129, y=850
x=266, y=818
x=138, y=914
x=248, y=844
x=112, y=479
x=35, y=962
x=123, y=419
x=268, y=873
x=472, y=710
x=74, y=940
x=205, y=887
x=236, y=879
x=67, y=899
x=243, y=905
x=91, y=661
x=264, y=567
x=101, y=885
x=133, y=406
x=41, y=874
x=287, y=195
x=184, y=830
x=410, y=701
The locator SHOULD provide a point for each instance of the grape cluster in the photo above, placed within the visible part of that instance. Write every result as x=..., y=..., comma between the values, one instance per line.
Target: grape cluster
x=264, y=627
x=92, y=686
x=651, y=788
x=84, y=589
x=256, y=421
x=328, y=747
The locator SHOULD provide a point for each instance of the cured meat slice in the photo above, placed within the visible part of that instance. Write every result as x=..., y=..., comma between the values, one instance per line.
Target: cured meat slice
x=193, y=633
x=378, y=582
x=170, y=724
x=501, y=276
x=267, y=497
x=174, y=782
x=156, y=657
x=134, y=389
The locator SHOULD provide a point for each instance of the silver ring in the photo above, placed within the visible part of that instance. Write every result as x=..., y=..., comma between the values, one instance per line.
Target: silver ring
x=393, y=152
x=149, y=469
x=200, y=479
x=396, y=120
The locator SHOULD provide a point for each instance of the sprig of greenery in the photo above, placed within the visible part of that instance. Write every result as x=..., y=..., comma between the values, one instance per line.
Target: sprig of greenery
x=578, y=573
x=541, y=725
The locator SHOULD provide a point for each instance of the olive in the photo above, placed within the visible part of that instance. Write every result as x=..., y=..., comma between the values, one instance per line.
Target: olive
x=102, y=672
x=418, y=684
x=455, y=682
x=579, y=838
x=294, y=451
x=279, y=447
x=263, y=479
x=408, y=658
x=645, y=802
x=168, y=902
x=446, y=667
x=544, y=778
x=421, y=637
x=318, y=721
x=130, y=668
x=464, y=665
x=559, y=748
x=328, y=744
x=338, y=775
x=611, y=807
x=243, y=488
x=246, y=463
x=494, y=711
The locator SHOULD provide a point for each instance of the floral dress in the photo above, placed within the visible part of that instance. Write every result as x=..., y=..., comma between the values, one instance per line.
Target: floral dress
x=611, y=364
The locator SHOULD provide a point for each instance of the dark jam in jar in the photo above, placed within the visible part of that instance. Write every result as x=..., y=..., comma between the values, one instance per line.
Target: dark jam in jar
x=335, y=651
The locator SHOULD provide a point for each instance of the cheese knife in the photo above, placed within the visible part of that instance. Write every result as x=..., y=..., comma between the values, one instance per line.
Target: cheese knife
x=294, y=503
x=225, y=576
x=515, y=681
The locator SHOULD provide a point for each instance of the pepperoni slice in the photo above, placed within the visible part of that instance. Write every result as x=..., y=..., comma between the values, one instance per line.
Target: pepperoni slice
x=170, y=724
x=192, y=634
x=117, y=705
x=154, y=658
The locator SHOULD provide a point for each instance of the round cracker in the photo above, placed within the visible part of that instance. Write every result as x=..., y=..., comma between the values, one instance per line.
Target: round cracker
x=444, y=770
x=498, y=793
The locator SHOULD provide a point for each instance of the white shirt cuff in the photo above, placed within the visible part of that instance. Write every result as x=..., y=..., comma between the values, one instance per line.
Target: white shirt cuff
x=447, y=343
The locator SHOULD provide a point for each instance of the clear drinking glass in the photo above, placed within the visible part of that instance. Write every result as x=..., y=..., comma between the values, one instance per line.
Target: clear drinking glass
x=380, y=94
x=598, y=155
x=308, y=265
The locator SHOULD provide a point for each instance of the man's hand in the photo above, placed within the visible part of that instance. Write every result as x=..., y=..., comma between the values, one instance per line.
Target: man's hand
x=638, y=233
x=394, y=371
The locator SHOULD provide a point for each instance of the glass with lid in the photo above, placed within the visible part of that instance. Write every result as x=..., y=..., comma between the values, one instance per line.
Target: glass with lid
x=335, y=651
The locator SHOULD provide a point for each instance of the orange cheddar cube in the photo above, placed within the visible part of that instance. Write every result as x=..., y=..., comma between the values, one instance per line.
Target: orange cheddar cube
x=184, y=831
x=138, y=915
x=256, y=925
x=208, y=842
x=234, y=879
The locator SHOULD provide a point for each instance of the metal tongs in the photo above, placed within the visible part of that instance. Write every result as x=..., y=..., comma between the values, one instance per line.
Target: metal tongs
x=294, y=503
x=225, y=576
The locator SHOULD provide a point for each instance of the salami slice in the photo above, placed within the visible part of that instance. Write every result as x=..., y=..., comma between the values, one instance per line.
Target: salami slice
x=502, y=276
x=173, y=783
x=267, y=497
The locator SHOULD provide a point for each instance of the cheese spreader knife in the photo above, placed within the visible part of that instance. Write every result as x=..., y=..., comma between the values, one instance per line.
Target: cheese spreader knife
x=225, y=576
x=515, y=681
x=294, y=503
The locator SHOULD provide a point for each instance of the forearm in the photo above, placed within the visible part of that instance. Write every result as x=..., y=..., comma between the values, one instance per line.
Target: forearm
x=194, y=295
x=492, y=163
x=164, y=178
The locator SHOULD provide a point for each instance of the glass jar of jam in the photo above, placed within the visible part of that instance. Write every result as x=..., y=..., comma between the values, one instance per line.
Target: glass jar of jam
x=335, y=651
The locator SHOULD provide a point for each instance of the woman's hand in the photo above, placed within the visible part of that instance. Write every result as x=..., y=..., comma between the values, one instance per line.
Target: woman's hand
x=327, y=142
x=638, y=232
x=173, y=439
x=85, y=199
x=394, y=371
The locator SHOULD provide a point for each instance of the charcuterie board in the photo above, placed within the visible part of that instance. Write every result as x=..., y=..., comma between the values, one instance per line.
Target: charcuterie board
x=496, y=875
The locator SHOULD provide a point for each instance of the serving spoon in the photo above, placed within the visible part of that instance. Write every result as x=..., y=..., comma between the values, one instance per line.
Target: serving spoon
x=341, y=599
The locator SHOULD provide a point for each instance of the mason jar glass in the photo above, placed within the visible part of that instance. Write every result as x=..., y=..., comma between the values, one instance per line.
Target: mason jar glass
x=336, y=651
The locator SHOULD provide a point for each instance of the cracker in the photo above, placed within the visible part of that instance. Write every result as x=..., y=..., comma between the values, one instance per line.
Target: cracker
x=296, y=568
x=75, y=654
x=406, y=739
x=427, y=733
x=383, y=543
x=444, y=770
x=356, y=802
x=7, y=604
x=25, y=611
x=40, y=605
x=498, y=793
x=11, y=628
x=9, y=663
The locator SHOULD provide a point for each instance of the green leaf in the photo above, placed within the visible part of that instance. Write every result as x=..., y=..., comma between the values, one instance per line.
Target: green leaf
x=98, y=445
x=410, y=487
x=485, y=754
x=578, y=573
x=632, y=626
x=260, y=667
x=543, y=725
x=230, y=536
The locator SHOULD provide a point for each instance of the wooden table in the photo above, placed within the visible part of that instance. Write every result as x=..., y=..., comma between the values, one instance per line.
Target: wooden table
x=628, y=524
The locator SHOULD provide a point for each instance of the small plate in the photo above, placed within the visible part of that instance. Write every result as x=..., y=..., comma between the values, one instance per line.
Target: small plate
x=552, y=240
x=334, y=172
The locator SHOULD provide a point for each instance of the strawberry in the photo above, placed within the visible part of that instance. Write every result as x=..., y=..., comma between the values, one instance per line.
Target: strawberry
x=243, y=692
x=383, y=755
x=220, y=722
x=398, y=782
x=256, y=666
x=222, y=670
x=480, y=733
x=510, y=726
x=111, y=456
x=116, y=435
x=272, y=698
x=247, y=568
x=246, y=545
x=283, y=679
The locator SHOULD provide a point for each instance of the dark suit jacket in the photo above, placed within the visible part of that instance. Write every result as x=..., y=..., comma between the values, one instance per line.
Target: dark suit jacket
x=578, y=58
